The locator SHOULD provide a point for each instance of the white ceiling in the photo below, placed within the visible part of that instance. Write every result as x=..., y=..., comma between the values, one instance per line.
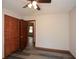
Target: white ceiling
x=56, y=6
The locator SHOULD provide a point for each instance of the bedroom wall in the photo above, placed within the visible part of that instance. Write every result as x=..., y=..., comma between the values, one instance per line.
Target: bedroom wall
x=52, y=30
x=72, y=40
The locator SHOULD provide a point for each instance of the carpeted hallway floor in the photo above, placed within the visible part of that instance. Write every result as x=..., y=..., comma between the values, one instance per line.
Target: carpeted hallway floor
x=38, y=54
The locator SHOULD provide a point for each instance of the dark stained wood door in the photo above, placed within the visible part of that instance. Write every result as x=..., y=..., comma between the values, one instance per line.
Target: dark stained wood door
x=23, y=34
x=11, y=34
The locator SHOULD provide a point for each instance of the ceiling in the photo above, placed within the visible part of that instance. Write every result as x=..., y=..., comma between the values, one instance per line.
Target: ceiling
x=56, y=6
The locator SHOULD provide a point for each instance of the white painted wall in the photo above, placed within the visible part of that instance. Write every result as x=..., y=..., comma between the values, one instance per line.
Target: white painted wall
x=73, y=31
x=10, y=13
x=2, y=34
x=52, y=30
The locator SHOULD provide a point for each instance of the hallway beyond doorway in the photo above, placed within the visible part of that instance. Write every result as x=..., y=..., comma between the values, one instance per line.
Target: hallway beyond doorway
x=30, y=44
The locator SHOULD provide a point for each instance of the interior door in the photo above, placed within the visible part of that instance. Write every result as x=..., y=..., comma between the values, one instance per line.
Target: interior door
x=23, y=34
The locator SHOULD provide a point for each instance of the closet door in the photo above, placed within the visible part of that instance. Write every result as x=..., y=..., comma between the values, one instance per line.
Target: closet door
x=11, y=35
x=23, y=34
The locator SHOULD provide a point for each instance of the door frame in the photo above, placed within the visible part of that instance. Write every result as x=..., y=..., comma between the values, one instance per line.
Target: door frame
x=34, y=31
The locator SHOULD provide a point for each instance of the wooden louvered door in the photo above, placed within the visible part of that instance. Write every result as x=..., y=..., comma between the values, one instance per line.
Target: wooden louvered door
x=11, y=34
x=23, y=34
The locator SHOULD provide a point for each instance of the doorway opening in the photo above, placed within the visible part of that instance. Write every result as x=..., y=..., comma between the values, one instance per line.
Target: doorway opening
x=31, y=34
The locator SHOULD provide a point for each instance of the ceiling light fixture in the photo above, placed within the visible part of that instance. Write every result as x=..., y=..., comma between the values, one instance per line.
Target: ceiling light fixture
x=34, y=4
x=35, y=7
x=30, y=5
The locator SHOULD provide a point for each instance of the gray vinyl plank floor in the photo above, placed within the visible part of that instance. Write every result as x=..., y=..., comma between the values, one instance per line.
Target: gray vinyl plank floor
x=38, y=54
